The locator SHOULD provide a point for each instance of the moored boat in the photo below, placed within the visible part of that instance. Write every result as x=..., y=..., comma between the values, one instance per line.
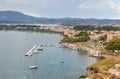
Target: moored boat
x=33, y=67
x=61, y=61
x=39, y=48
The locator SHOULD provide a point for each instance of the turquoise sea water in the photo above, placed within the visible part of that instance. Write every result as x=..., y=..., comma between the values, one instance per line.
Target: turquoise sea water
x=14, y=65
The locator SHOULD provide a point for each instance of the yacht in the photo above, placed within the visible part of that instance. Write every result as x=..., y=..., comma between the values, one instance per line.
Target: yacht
x=33, y=67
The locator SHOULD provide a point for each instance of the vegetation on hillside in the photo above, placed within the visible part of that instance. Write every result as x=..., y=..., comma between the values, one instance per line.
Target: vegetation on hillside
x=113, y=44
x=100, y=68
x=105, y=62
x=99, y=28
x=81, y=37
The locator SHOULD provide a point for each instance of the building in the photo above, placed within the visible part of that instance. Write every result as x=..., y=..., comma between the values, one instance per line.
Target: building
x=110, y=36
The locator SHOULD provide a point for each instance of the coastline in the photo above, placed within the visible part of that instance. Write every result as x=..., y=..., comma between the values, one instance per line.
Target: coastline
x=90, y=48
x=101, y=69
x=82, y=46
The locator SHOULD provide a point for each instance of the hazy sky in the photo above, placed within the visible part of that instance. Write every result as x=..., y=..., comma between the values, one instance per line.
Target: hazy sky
x=65, y=8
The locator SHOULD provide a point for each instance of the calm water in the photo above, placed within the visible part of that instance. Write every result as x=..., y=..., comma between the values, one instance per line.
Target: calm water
x=14, y=65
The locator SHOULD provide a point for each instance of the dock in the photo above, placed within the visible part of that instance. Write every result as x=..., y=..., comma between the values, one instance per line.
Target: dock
x=51, y=45
x=35, y=48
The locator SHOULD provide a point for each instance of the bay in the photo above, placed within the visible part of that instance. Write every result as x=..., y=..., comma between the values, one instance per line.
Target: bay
x=14, y=65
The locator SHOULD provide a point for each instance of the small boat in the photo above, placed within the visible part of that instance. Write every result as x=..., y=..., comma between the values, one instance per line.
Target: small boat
x=61, y=61
x=40, y=48
x=33, y=67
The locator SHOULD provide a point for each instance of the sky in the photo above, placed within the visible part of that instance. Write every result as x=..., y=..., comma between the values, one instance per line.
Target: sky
x=65, y=8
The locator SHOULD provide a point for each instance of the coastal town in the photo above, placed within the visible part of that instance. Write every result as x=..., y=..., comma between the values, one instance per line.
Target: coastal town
x=94, y=43
x=109, y=66
x=59, y=39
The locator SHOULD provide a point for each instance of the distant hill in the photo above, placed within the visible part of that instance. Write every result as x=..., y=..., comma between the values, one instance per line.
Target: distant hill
x=18, y=17
x=15, y=17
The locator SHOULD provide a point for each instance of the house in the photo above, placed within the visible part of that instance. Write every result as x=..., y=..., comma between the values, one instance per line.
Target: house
x=110, y=36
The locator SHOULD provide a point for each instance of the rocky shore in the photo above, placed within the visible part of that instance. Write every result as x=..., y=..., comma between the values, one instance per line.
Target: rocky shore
x=83, y=46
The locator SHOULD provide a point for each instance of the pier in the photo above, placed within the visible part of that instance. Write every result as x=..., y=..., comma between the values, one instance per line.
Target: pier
x=32, y=50
x=47, y=45
x=36, y=48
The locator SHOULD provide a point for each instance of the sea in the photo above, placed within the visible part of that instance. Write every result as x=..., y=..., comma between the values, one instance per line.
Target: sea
x=15, y=65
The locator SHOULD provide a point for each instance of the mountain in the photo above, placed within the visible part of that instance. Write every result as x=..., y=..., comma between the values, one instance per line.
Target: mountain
x=18, y=17
x=15, y=17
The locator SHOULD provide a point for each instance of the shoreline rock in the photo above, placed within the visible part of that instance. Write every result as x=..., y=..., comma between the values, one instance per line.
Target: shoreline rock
x=79, y=46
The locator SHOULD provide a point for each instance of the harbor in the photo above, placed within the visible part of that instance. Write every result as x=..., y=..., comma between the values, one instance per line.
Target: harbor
x=53, y=62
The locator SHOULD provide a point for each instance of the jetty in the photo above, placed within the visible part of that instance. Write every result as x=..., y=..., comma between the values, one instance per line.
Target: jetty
x=35, y=48
x=51, y=45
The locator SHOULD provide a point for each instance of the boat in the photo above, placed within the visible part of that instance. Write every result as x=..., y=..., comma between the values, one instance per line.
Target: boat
x=39, y=48
x=33, y=67
x=61, y=61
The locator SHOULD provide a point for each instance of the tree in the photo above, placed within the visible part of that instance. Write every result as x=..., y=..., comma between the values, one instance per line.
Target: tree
x=81, y=37
x=113, y=44
x=83, y=34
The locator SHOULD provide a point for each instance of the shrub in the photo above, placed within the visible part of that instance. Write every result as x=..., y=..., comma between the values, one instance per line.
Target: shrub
x=95, y=71
x=91, y=68
x=82, y=76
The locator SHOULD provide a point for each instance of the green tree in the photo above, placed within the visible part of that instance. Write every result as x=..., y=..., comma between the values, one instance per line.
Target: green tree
x=113, y=44
x=81, y=37
x=83, y=34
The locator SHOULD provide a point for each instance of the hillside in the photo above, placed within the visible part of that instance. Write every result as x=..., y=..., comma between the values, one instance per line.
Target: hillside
x=18, y=17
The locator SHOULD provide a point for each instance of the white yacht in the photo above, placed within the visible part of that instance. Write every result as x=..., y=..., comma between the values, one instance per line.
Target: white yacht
x=33, y=67
x=39, y=48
